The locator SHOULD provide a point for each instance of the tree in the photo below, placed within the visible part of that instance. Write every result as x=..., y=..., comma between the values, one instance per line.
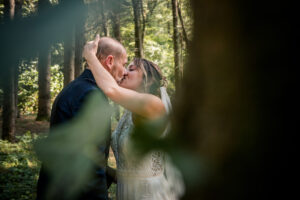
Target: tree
x=228, y=107
x=79, y=43
x=44, y=62
x=12, y=9
x=137, y=8
x=69, y=58
x=104, y=28
x=176, y=43
x=115, y=18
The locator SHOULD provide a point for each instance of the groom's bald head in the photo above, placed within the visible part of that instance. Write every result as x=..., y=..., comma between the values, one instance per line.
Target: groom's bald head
x=112, y=55
x=109, y=46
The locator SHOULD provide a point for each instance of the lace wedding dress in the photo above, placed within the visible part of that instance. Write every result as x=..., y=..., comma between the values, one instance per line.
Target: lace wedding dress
x=144, y=178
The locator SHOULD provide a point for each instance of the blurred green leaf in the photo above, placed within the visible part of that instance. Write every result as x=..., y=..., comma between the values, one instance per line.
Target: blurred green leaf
x=70, y=150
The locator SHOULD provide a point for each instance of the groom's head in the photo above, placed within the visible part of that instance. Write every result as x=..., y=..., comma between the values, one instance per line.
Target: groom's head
x=112, y=55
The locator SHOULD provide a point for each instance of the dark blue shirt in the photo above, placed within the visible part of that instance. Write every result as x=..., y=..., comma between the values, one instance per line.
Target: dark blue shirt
x=66, y=105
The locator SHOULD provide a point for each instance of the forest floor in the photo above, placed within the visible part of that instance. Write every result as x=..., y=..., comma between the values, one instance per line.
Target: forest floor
x=18, y=178
x=28, y=123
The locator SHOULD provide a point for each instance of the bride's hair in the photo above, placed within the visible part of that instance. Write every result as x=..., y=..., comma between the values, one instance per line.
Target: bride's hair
x=152, y=78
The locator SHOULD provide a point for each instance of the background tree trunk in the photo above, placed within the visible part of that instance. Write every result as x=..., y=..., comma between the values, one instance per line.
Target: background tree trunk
x=9, y=111
x=115, y=19
x=79, y=43
x=139, y=52
x=176, y=43
x=69, y=58
x=228, y=107
x=104, y=28
x=12, y=10
x=44, y=101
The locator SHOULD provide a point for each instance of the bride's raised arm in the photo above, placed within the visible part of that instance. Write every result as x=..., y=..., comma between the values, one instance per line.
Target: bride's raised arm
x=143, y=104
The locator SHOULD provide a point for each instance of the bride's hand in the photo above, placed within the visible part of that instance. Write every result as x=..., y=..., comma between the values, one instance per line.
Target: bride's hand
x=90, y=48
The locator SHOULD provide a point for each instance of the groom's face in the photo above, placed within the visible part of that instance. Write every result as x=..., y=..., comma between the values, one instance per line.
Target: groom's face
x=118, y=68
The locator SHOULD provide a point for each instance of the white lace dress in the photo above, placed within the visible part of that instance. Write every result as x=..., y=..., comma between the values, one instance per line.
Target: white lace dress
x=138, y=179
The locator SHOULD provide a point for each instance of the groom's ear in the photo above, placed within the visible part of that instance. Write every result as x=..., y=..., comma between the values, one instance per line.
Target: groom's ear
x=109, y=61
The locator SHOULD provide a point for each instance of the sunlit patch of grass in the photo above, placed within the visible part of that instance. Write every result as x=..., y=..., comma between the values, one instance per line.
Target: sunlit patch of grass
x=19, y=168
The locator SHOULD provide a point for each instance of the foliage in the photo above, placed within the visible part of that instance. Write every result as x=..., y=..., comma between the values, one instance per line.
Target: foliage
x=19, y=168
x=28, y=84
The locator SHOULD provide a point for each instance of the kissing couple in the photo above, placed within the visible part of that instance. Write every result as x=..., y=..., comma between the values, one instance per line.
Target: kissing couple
x=140, y=89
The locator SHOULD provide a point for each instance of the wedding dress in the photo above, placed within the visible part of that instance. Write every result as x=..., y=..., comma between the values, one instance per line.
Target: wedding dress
x=142, y=178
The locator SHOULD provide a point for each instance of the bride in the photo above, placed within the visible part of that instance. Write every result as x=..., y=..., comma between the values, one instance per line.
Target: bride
x=141, y=93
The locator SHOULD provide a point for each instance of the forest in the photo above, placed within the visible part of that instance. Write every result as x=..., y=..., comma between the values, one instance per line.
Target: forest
x=221, y=61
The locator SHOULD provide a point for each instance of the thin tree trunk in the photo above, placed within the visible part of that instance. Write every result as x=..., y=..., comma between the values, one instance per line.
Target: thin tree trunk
x=169, y=24
x=16, y=81
x=44, y=101
x=143, y=20
x=137, y=29
x=104, y=28
x=79, y=43
x=115, y=19
x=176, y=43
x=18, y=15
x=69, y=59
x=44, y=63
x=9, y=111
x=116, y=26
x=185, y=37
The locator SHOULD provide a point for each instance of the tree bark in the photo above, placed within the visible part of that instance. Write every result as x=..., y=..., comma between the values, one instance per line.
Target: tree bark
x=69, y=59
x=104, y=29
x=79, y=44
x=138, y=50
x=185, y=37
x=115, y=19
x=9, y=88
x=44, y=101
x=176, y=43
x=44, y=62
x=228, y=107
x=9, y=111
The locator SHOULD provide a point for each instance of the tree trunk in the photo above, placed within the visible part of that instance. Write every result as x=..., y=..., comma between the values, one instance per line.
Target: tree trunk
x=9, y=111
x=229, y=107
x=44, y=62
x=79, y=43
x=16, y=84
x=138, y=50
x=18, y=15
x=44, y=101
x=115, y=19
x=69, y=59
x=176, y=43
x=104, y=29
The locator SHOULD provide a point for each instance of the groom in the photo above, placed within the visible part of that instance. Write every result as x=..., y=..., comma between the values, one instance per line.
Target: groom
x=113, y=57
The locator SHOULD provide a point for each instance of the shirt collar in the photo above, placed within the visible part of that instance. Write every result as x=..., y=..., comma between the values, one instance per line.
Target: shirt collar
x=88, y=75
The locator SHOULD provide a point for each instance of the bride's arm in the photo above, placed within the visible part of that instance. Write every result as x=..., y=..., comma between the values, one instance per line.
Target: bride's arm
x=146, y=105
